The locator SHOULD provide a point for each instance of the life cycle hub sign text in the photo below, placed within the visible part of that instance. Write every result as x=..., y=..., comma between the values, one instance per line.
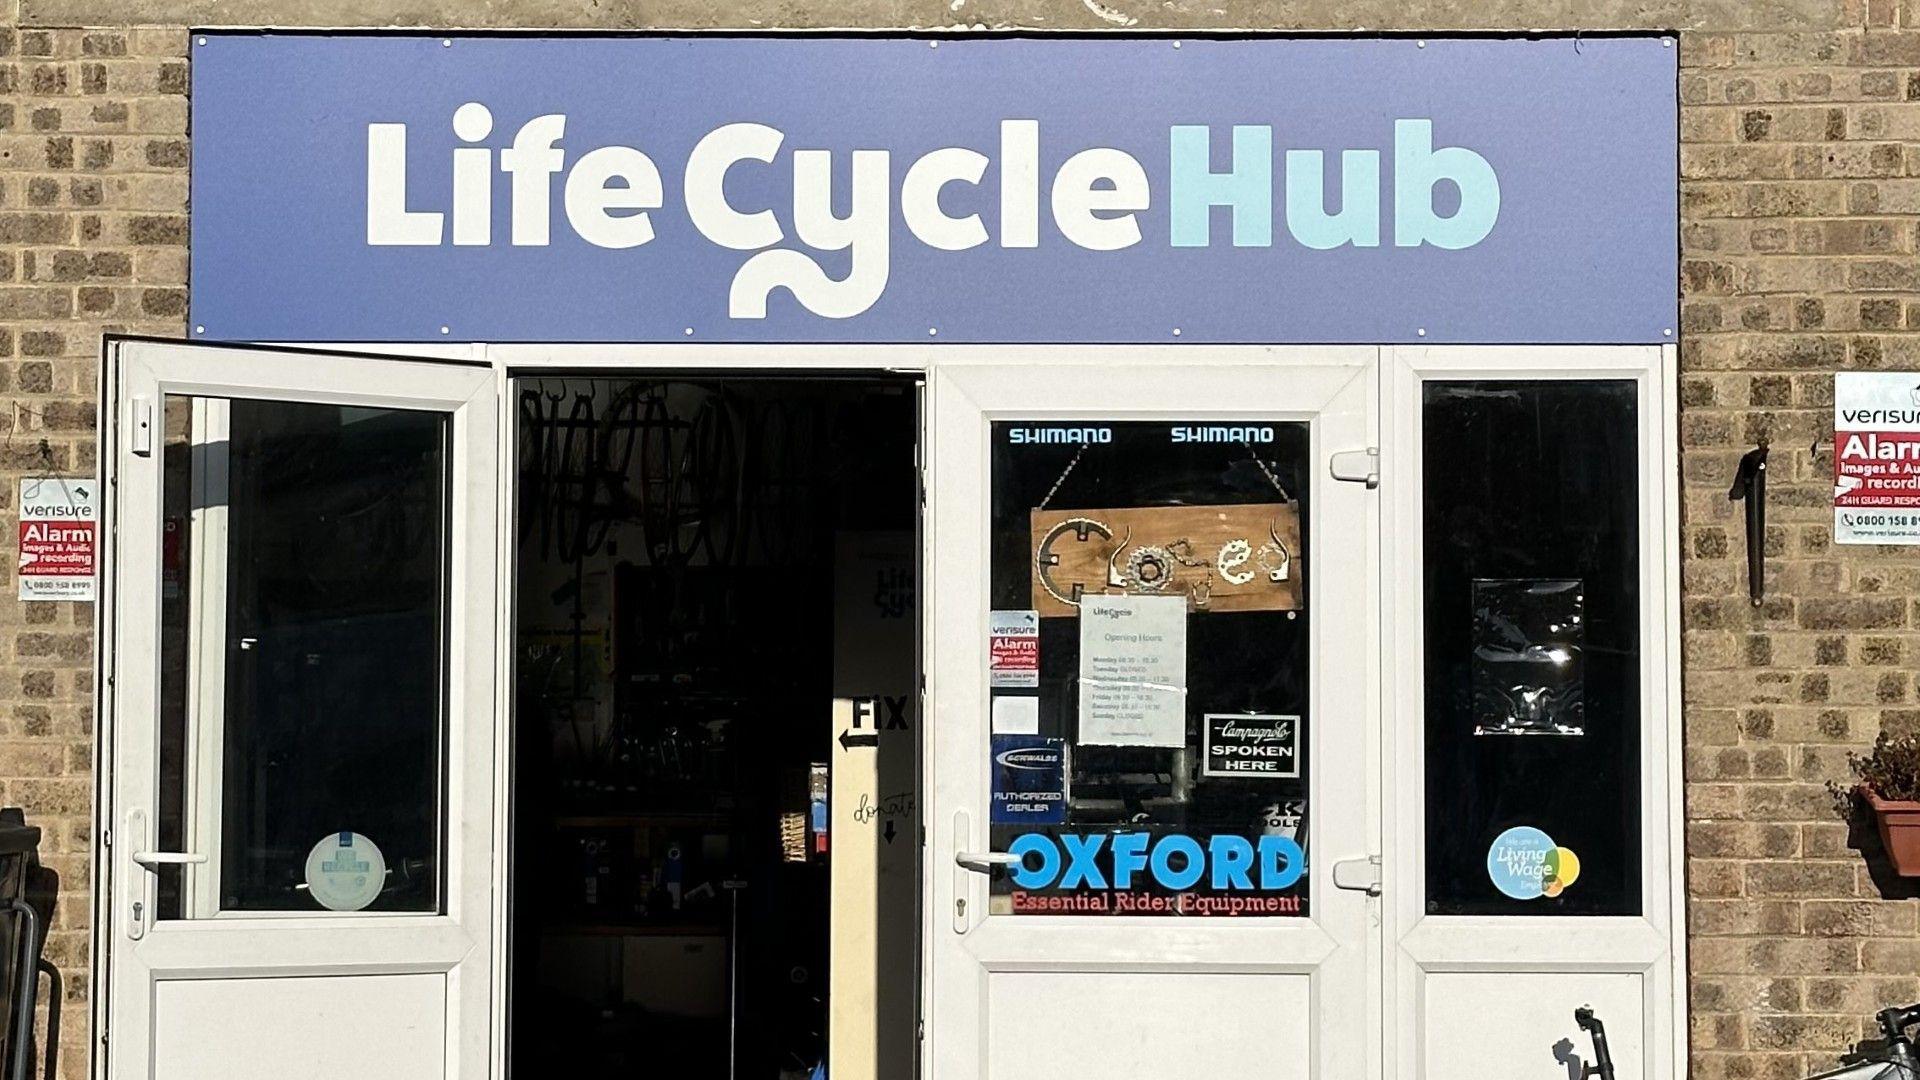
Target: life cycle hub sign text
x=399, y=188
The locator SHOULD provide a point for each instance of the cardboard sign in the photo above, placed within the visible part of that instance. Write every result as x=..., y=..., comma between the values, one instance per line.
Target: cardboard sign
x=1013, y=649
x=1217, y=558
x=1260, y=746
x=1029, y=780
x=58, y=538
x=1133, y=671
x=1876, y=457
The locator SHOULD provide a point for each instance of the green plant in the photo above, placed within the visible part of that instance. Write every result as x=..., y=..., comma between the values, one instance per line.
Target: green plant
x=1892, y=768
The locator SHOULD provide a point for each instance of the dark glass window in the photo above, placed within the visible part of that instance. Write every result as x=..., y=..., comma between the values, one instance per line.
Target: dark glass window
x=1532, y=623
x=336, y=525
x=1150, y=700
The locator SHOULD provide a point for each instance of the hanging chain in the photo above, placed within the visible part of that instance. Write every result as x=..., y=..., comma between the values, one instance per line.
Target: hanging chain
x=1265, y=470
x=1063, y=477
x=1271, y=478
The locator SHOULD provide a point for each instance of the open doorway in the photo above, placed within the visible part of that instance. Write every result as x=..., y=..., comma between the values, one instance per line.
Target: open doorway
x=704, y=563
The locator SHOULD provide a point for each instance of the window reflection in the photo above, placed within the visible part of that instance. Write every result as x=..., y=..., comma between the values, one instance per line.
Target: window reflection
x=1531, y=501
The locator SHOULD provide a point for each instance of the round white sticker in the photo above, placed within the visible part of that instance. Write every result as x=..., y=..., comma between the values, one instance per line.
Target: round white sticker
x=345, y=872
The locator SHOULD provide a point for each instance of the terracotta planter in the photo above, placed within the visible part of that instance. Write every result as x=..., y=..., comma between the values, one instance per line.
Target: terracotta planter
x=1899, y=831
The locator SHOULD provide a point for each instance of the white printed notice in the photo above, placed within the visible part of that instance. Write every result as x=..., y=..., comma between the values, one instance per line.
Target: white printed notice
x=1876, y=457
x=1133, y=671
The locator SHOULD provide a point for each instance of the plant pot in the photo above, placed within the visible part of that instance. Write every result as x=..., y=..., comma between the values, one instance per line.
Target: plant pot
x=1899, y=831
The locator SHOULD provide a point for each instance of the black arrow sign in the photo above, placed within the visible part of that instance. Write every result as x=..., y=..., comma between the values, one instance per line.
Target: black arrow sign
x=888, y=831
x=850, y=739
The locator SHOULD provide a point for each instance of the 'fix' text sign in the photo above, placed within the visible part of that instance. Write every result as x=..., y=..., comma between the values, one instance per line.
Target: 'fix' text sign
x=398, y=188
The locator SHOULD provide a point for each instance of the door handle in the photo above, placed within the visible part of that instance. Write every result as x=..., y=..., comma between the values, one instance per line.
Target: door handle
x=142, y=887
x=154, y=860
x=983, y=862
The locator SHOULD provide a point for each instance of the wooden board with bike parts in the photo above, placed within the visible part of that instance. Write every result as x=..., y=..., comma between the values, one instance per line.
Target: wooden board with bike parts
x=1241, y=557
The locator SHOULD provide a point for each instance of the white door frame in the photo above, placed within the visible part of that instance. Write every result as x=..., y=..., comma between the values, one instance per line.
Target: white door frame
x=137, y=377
x=1396, y=631
x=1333, y=948
x=1651, y=946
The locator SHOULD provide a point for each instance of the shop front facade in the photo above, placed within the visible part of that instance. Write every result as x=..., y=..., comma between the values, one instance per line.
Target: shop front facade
x=953, y=543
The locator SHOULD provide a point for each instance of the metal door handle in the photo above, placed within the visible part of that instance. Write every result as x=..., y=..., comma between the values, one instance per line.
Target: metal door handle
x=154, y=860
x=983, y=862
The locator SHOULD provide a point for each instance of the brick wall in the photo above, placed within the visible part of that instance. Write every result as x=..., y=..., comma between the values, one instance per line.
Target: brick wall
x=1800, y=217
x=1801, y=223
x=93, y=195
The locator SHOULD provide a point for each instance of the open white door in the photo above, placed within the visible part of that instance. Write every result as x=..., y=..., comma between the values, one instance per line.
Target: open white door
x=1152, y=772
x=297, y=660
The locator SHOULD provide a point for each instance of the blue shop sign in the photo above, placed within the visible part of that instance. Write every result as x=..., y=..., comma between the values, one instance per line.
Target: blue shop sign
x=859, y=189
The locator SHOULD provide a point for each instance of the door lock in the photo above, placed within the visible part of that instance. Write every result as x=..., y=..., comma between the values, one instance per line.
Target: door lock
x=1359, y=875
x=1357, y=466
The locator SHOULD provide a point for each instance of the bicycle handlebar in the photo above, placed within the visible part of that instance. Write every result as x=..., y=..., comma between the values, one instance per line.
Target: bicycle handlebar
x=1602, y=1066
x=1894, y=1022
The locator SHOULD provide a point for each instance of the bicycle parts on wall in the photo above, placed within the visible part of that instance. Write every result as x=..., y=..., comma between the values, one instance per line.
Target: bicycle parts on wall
x=635, y=496
x=1220, y=558
x=687, y=462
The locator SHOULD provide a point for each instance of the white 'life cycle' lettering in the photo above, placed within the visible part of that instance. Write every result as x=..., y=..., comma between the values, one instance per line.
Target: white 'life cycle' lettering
x=1095, y=198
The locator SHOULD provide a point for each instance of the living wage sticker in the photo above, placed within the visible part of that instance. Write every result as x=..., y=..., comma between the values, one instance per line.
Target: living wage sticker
x=1526, y=864
x=345, y=872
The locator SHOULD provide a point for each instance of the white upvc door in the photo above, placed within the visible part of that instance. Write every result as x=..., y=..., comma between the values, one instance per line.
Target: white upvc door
x=298, y=599
x=1287, y=994
x=1567, y=459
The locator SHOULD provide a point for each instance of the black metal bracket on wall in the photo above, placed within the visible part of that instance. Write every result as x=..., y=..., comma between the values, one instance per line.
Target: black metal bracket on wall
x=1750, y=486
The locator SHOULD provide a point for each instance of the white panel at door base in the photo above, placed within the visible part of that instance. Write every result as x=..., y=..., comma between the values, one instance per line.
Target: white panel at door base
x=1519, y=1026
x=371, y=1027
x=1150, y=1026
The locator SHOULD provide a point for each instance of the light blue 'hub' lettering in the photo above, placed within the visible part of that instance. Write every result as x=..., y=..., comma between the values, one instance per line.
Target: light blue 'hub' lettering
x=1247, y=189
x=1357, y=222
x=1195, y=189
x=1417, y=168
